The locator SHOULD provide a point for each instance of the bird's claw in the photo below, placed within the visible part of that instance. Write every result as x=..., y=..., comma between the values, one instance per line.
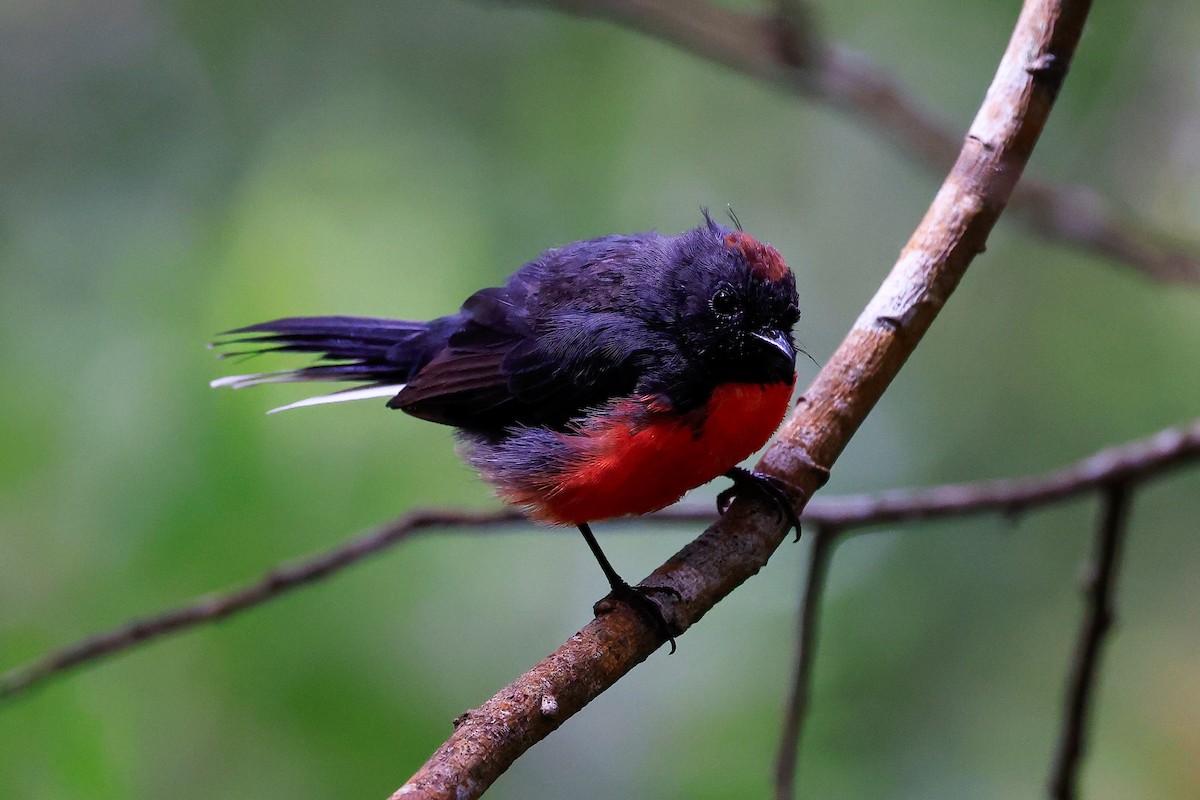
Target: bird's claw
x=638, y=598
x=767, y=485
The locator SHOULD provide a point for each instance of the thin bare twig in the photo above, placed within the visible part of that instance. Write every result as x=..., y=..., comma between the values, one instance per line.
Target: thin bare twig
x=1098, y=619
x=1133, y=463
x=488, y=739
x=819, y=555
x=216, y=607
x=786, y=50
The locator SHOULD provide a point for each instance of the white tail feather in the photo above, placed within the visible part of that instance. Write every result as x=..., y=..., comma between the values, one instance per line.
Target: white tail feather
x=258, y=379
x=344, y=396
x=232, y=380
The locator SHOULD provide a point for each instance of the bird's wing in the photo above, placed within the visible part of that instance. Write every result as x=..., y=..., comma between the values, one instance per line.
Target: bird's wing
x=500, y=368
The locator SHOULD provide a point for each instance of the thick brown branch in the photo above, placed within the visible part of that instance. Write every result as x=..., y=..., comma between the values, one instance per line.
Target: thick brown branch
x=785, y=50
x=1097, y=620
x=1132, y=463
x=820, y=554
x=488, y=739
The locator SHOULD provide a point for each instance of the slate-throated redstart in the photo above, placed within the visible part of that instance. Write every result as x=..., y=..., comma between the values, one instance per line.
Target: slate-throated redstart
x=607, y=377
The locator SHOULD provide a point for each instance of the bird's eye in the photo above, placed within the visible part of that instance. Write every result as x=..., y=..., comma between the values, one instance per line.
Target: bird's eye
x=724, y=302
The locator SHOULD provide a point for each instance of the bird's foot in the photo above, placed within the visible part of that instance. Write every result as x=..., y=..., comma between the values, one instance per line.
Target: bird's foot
x=638, y=598
x=768, y=486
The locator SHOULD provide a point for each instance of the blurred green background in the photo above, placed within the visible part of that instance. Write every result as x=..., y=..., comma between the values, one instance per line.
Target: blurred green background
x=173, y=169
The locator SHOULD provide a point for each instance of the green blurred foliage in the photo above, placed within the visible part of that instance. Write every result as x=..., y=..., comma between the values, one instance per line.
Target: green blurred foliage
x=177, y=168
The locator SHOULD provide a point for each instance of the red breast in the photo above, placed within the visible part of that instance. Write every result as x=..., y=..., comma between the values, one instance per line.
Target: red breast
x=640, y=457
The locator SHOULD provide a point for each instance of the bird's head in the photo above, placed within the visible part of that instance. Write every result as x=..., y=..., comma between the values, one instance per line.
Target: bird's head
x=736, y=303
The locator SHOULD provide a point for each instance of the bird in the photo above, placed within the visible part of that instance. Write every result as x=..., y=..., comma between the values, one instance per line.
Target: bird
x=605, y=378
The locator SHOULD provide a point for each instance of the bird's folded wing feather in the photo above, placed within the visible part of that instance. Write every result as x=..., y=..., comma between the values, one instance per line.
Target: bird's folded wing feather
x=503, y=368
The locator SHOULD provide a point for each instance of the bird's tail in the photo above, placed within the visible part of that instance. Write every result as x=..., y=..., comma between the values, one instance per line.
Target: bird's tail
x=380, y=355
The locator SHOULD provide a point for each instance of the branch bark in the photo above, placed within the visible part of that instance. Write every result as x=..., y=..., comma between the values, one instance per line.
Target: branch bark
x=785, y=50
x=487, y=740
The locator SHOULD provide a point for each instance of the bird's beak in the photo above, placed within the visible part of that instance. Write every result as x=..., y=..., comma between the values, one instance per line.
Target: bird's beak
x=778, y=341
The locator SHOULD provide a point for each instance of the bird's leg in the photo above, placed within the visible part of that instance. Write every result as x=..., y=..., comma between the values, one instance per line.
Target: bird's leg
x=767, y=485
x=636, y=597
